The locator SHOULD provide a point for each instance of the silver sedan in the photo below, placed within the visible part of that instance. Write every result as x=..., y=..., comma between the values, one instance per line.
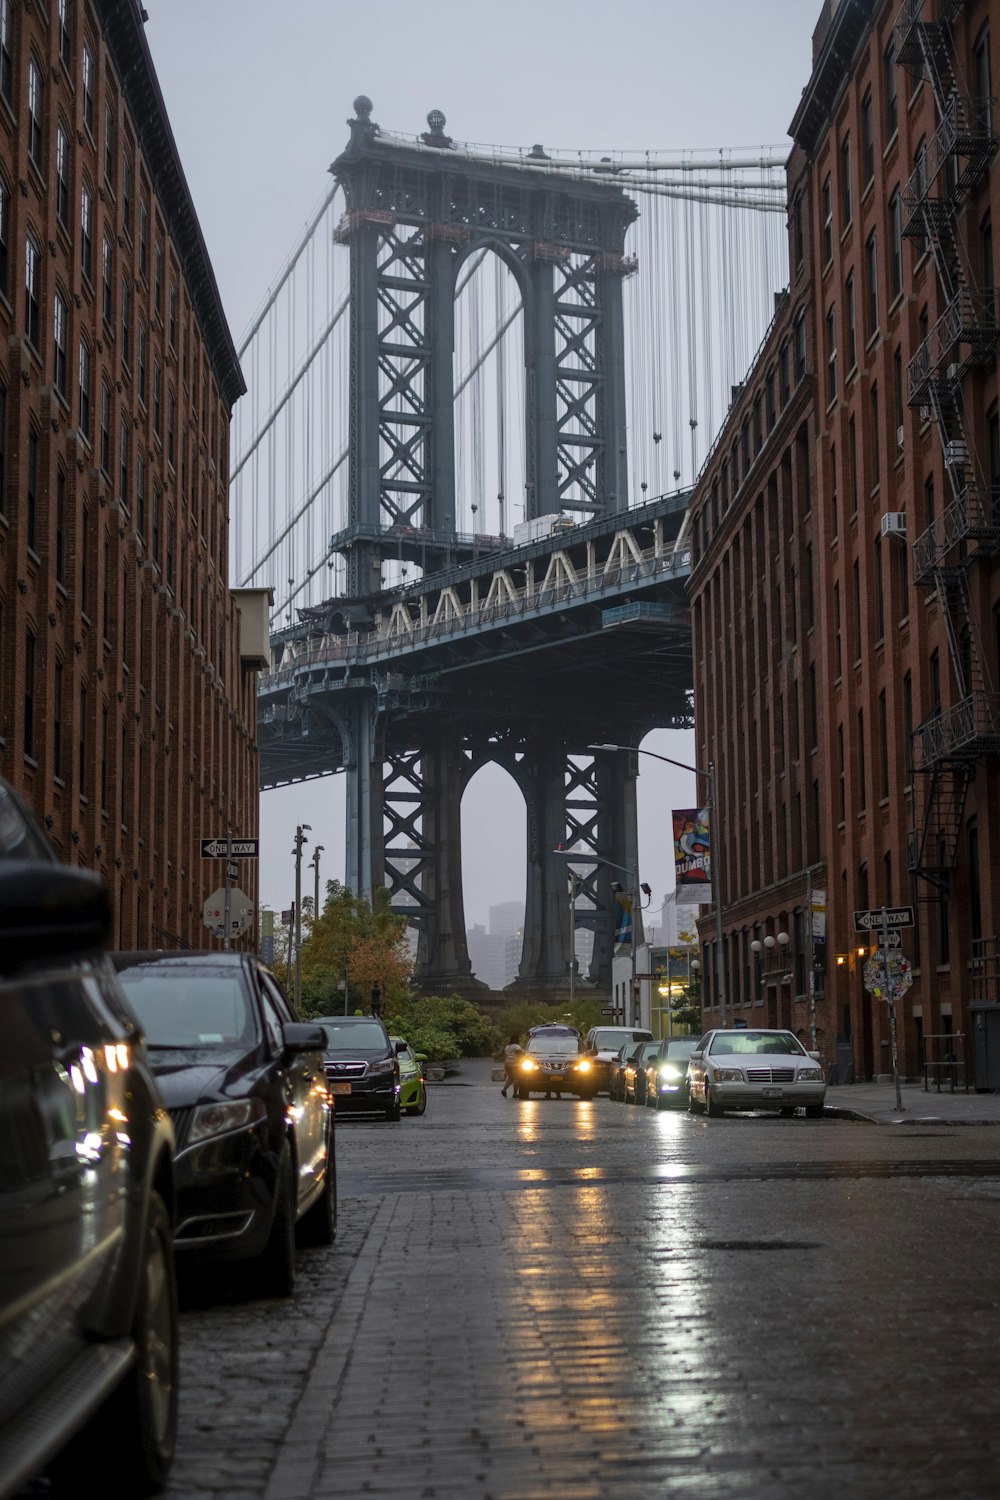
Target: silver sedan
x=754, y=1070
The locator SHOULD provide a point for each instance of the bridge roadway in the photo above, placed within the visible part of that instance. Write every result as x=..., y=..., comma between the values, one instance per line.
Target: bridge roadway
x=591, y=625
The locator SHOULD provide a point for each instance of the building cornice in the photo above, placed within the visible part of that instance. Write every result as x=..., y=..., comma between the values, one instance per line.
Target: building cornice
x=848, y=26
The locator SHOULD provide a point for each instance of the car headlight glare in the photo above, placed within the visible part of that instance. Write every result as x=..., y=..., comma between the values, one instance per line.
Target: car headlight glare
x=670, y=1072
x=219, y=1119
x=810, y=1075
x=584, y=1066
x=528, y=1065
x=728, y=1075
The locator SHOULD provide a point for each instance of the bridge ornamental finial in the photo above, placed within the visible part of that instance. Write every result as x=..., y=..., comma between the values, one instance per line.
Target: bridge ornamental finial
x=363, y=127
x=436, y=136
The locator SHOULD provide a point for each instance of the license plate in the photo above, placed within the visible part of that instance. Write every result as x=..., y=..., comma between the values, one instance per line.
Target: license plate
x=773, y=1093
x=345, y=1088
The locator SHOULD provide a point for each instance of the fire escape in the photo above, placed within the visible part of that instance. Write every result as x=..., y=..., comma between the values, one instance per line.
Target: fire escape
x=949, y=741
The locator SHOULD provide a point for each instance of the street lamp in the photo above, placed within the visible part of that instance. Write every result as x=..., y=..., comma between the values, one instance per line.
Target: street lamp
x=714, y=849
x=300, y=839
x=314, y=865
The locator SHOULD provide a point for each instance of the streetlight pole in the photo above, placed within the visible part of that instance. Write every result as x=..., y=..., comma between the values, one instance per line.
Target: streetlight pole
x=572, y=937
x=315, y=863
x=300, y=839
x=585, y=857
x=714, y=850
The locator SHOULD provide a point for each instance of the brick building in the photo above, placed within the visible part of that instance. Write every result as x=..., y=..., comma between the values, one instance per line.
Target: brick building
x=127, y=702
x=846, y=594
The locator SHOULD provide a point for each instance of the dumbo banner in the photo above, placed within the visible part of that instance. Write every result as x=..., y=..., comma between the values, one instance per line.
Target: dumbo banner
x=692, y=857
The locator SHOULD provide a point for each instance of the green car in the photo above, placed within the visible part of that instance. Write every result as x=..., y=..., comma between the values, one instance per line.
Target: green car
x=412, y=1090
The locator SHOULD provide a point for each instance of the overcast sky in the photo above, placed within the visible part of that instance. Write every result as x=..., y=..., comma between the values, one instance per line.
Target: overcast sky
x=258, y=95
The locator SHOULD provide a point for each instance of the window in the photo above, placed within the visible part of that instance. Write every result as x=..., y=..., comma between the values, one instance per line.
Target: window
x=85, y=562
x=856, y=582
x=867, y=139
x=88, y=88
x=62, y=177
x=31, y=492
x=158, y=278
x=876, y=462
x=157, y=426
x=35, y=107
x=826, y=215
x=852, y=461
x=143, y=236
x=800, y=345
x=140, y=495
x=105, y=427
x=33, y=291
x=982, y=74
x=60, y=334
x=172, y=315
x=838, y=651
x=86, y=232
x=769, y=406
x=879, y=592
x=935, y=685
x=6, y=48
x=784, y=383
x=842, y=792
x=82, y=745
x=889, y=86
x=862, y=789
x=65, y=34
x=986, y=263
x=797, y=237
x=902, y=568
x=834, y=508
x=831, y=353
x=29, y=693
x=4, y=237
x=126, y=324
x=57, y=719
x=84, y=388
x=107, y=272
x=871, y=269
x=109, y=144
x=157, y=503
x=141, y=361
x=171, y=419
x=895, y=246
x=852, y=327
x=929, y=501
x=123, y=456
x=897, y=381
x=127, y=193
x=908, y=725
x=846, y=199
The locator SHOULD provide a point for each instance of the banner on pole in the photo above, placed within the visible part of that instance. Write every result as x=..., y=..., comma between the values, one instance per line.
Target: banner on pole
x=623, y=920
x=692, y=856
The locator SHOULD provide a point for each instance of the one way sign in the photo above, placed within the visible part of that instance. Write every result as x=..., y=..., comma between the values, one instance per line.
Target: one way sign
x=238, y=848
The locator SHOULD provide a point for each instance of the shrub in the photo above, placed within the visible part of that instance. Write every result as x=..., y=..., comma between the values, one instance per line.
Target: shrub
x=441, y=1026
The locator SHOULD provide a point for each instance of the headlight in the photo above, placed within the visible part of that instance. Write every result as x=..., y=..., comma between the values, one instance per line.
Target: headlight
x=728, y=1075
x=671, y=1072
x=217, y=1119
x=528, y=1065
x=385, y=1065
x=584, y=1066
x=810, y=1075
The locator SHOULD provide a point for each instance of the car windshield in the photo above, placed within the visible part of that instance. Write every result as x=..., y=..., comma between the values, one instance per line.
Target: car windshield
x=359, y=1036
x=192, y=1006
x=681, y=1049
x=611, y=1038
x=554, y=1046
x=756, y=1044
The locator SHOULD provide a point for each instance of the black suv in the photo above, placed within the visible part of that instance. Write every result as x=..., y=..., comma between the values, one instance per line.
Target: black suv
x=362, y=1068
x=88, y=1301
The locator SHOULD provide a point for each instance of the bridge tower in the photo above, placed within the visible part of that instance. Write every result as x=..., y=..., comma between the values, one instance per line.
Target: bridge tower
x=416, y=210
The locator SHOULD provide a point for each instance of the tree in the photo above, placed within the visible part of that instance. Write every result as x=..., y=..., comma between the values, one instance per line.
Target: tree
x=354, y=942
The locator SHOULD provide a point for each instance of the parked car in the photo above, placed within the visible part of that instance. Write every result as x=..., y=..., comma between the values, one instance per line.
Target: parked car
x=554, y=1061
x=243, y=1080
x=362, y=1065
x=88, y=1299
x=634, y=1072
x=754, y=1070
x=603, y=1042
x=616, y=1071
x=666, y=1072
x=412, y=1089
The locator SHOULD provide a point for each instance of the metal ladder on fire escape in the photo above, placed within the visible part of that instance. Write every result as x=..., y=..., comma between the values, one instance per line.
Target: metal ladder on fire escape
x=946, y=745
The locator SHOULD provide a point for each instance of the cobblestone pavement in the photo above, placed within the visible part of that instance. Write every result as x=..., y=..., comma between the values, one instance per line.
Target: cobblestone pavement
x=575, y=1301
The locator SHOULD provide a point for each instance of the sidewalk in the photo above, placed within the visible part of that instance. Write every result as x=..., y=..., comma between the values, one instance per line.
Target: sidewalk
x=877, y=1101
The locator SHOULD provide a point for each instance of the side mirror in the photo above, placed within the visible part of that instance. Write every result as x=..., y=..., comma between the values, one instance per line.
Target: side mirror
x=48, y=909
x=400, y=1048
x=816, y=1056
x=420, y=1056
x=695, y=1056
x=300, y=1036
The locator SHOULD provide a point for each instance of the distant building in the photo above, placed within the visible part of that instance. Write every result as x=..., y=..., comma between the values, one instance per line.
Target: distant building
x=127, y=686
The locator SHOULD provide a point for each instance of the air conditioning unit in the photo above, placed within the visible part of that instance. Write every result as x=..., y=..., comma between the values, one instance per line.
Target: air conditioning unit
x=900, y=435
x=894, y=523
x=955, y=454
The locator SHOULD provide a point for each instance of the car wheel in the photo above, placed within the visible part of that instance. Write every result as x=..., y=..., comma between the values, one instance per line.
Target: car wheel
x=420, y=1106
x=786, y=1111
x=138, y=1422
x=276, y=1263
x=522, y=1091
x=318, y=1226
x=814, y=1111
x=658, y=1101
x=713, y=1108
x=393, y=1112
x=695, y=1106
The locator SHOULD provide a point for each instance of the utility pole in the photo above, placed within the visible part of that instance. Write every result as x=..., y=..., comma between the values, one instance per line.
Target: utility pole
x=300, y=839
x=572, y=938
x=315, y=860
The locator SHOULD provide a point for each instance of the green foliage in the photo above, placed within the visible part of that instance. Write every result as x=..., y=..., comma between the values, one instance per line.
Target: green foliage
x=358, y=941
x=440, y=1026
x=517, y=1020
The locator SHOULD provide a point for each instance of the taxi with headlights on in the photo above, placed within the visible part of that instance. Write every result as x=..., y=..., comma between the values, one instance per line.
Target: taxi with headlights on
x=555, y=1060
x=754, y=1070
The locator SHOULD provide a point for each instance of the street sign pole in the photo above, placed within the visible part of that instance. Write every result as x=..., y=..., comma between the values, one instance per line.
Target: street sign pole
x=891, y=994
x=227, y=918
